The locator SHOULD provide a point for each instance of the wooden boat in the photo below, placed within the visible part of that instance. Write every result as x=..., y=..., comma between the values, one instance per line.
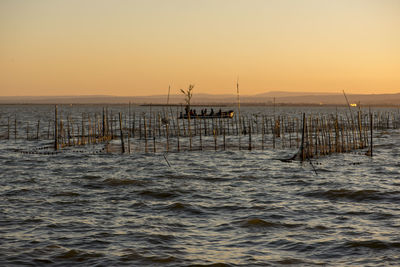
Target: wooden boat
x=219, y=115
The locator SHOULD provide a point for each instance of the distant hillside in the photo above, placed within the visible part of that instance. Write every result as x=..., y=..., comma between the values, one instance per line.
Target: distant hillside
x=261, y=99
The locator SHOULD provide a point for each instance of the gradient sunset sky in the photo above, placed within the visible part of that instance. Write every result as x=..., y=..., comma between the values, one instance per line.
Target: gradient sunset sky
x=121, y=47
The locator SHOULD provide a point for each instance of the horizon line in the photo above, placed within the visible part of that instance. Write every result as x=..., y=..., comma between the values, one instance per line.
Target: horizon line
x=179, y=94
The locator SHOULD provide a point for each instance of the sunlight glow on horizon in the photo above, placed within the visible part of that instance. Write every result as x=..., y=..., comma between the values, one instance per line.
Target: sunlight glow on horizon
x=127, y=48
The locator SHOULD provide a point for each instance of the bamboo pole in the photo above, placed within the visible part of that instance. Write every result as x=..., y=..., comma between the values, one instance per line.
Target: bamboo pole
x=238, y=118
x=140, y=127
x=190, y=132
x=55, y=128
x=178, y=133
x=133, y=125
x=129, y=141
x=8, y=128
x=224, y=138
x=273, y=129
x=38, y=130
x=201, y=140
x=371, y=129
x=15, y=128
x=360, y=128
x=302, y=149
x=215, y=139
x=104, y=123
x=68, y=131
x=83, y=139
x=263, y=133
x=167, y=136
x=121, y=134
x=250, y=146
x=145, y=135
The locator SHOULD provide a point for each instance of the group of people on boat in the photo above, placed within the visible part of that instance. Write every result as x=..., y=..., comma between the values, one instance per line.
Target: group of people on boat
x=203, y=112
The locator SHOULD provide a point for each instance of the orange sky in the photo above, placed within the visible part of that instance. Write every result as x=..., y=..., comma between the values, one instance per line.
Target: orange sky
x=83, y=47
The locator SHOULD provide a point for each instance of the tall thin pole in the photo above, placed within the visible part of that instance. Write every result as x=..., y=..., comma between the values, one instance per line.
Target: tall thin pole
x=371, y=129
x=238, y=106
x=302, y=151
x=169, y=90
x=121, y=133
x=274, y=129
x=55, y=128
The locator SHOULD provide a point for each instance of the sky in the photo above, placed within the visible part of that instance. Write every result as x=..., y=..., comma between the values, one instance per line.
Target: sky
x=140, y=47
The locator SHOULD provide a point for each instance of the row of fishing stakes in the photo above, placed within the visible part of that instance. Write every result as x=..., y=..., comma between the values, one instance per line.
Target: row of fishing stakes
x=314, y=135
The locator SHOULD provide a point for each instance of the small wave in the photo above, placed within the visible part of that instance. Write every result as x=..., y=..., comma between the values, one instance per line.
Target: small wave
x=184, y=207
x=160, y=239
x=90, y=177
x=372, y=244
x=71, y=202
x=219, y=264
x=32, y=220
x=18, y=192
x=227, y=208
x=158, y=194
x=382, y=216
x=260, y=223
x=294, y=261
x=76, y=226
x=177, y=206
x=355, y=195
x=42, y=261
x=135, y=256
x=118, y=182
x=78, y=255
x=66, y=194
x=29, y=181
x=290, y=261
x=318, y=228
x=298, y=182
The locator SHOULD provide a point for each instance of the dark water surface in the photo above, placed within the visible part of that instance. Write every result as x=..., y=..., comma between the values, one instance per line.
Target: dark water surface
x=238, y=208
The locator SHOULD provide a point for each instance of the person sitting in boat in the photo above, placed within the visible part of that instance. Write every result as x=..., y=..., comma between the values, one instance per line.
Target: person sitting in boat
x=212, y=112
x=219, y=112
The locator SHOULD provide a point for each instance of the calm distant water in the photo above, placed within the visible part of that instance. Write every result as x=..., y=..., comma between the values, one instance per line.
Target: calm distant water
x=228, y=208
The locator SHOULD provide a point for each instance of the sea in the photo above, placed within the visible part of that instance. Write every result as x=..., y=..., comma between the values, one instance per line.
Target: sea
x=195, y=208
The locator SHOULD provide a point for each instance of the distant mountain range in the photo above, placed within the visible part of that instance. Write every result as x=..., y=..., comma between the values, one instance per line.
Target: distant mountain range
x=284, y=98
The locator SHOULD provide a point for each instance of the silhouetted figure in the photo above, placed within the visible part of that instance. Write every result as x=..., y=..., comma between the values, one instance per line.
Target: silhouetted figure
x=211, y=112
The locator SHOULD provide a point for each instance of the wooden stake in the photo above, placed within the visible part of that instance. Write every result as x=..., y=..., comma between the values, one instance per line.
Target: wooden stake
x=121, y=134
x=8, y=128
x=371, y=126
x=249, y=136
x=145, y=135
x=38, y=130
x=55, y=128
x=215, y=139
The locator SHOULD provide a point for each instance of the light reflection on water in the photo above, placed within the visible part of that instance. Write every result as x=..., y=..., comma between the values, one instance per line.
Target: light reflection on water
x=231, y=207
